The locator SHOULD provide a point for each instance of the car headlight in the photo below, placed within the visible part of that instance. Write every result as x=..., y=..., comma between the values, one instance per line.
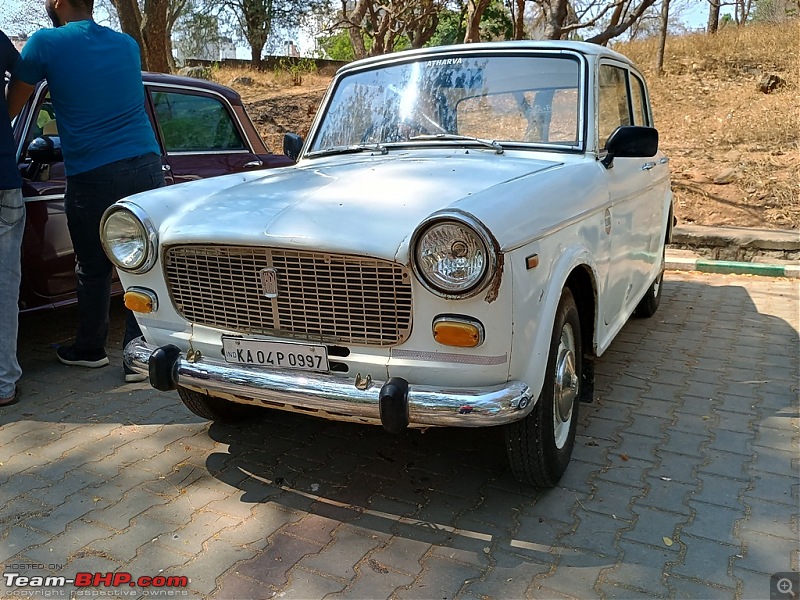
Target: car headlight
x=129, y=238
x=453, y=258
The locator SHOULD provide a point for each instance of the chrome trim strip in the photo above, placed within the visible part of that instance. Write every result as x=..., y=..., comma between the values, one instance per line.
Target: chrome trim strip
x=337, y=398
x=209, y=152
x=450, y=357
x=49, y=198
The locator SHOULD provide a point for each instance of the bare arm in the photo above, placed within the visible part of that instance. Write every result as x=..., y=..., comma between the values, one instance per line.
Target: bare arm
x=17, y=95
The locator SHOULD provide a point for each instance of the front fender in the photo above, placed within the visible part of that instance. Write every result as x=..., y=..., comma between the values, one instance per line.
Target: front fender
x=535, y=306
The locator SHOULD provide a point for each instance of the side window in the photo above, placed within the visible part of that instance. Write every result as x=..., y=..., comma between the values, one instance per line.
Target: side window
x=613, y=101
x=44, y=122
x=191, y=123
x=639, y=102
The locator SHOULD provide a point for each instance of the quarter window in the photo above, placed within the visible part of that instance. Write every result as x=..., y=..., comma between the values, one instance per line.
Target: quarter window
x=639, y=102
x=614, y=107
x=191, y=123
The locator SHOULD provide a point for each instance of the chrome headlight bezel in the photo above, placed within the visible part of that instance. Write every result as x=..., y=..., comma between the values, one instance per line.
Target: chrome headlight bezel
x=470, y=223
x=149, y=237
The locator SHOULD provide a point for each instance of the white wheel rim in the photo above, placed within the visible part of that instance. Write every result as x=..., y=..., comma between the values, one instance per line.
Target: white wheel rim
x=565, y=386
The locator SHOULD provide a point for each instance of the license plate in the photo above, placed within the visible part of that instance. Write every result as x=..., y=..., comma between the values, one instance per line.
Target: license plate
x=280, y=355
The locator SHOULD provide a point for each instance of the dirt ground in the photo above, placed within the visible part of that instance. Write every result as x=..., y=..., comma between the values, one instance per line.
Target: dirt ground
x=734, y=150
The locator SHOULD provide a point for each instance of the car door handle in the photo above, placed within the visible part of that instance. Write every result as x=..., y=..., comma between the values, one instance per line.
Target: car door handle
x=648, y=165
x=664, y=160
x=166, y=168
x=253, y=164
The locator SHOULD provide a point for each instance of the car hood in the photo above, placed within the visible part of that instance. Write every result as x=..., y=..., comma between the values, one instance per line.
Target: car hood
x=364, y=205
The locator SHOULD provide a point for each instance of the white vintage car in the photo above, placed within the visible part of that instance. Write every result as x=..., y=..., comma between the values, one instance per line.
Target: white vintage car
x=465, y=230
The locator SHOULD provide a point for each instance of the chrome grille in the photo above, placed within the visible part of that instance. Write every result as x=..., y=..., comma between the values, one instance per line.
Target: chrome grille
x=332, y=298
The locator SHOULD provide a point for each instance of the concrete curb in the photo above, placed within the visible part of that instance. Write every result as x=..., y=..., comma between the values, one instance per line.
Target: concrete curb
x=731, y=267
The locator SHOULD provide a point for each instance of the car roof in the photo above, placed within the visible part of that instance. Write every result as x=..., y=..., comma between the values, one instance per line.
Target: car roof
x=584, y=48
x=192, y=82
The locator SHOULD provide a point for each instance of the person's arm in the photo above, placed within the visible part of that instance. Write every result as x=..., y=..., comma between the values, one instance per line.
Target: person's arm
x=17, y=95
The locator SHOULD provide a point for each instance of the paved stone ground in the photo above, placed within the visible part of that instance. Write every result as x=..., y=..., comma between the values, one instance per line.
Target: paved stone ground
x=684, y=482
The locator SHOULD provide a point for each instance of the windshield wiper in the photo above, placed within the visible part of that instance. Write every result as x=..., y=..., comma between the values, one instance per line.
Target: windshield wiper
x=352, y=149
x=463, y=138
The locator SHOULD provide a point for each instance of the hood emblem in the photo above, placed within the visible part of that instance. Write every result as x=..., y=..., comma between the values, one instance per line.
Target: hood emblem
x=269, y=282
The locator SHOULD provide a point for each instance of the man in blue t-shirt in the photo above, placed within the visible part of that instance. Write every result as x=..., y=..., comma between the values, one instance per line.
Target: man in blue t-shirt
x=12, y=225
x=110, y=151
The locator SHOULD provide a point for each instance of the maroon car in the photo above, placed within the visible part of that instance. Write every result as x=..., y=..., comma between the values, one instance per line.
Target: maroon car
x=203, y=130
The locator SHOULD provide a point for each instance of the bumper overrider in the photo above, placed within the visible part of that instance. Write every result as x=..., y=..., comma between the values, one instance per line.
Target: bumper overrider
x=395, y=403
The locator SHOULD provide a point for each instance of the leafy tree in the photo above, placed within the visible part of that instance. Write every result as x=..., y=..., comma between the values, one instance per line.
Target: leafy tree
x=150, y=24
x=196, y=33
x=389, y=24
x=496, y=23
x=256, y=20
x=451, y=28
x=598, y=21
x=337, y=46
x=475, y=10
x=23, y=19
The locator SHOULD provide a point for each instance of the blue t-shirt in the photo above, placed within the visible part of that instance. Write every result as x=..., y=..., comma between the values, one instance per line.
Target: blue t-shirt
x=9, y=173
x=95, y=80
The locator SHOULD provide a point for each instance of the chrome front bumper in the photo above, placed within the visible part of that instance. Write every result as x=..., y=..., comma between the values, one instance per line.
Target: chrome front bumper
x=333, y=397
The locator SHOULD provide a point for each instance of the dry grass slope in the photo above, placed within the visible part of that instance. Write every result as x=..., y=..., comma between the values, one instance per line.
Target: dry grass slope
x=714, y=123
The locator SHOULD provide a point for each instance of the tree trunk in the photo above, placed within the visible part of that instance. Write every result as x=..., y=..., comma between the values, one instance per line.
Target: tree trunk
x=519, y=20
x=130, y=21
x=475, y=10
x=662, y=38
x=713, y=16
x=609, y=33
x=155, y=36
x=556, y=12
x=255, y=57
x=150, y=29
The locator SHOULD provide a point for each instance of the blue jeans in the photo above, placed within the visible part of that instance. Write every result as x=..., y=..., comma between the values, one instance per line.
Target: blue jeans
x=87, y=197
x=12, y=226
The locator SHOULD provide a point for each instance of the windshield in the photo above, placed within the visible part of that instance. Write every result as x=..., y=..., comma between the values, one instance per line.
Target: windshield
x=510, y=99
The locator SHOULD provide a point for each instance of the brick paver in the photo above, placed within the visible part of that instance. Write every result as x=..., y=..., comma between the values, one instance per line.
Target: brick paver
x=684, y=481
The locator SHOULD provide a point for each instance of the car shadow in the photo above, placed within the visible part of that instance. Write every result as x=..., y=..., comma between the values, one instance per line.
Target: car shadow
x=715, y=353
x=453, y=487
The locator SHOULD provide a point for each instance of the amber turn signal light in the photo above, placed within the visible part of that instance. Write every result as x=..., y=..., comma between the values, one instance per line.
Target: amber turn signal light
x=141, y=301
x=461, y=333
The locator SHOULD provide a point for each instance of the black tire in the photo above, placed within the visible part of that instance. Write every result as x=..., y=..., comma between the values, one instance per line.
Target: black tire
x=214, y=409
x=540, y=445
x=652, y=298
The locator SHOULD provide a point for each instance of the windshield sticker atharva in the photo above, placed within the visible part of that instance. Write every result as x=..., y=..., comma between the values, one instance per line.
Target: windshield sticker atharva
x=441, y=62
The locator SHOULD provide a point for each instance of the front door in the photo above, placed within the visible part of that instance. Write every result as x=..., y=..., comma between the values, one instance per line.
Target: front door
x=636, y=189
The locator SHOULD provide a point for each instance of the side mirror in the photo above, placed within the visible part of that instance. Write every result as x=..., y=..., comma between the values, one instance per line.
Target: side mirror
x=630, y=141
x=45, y=149
x=292, y=144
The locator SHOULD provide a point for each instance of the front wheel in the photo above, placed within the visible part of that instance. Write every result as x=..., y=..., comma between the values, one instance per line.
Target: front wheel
x=214, y=409
x=540, y=445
